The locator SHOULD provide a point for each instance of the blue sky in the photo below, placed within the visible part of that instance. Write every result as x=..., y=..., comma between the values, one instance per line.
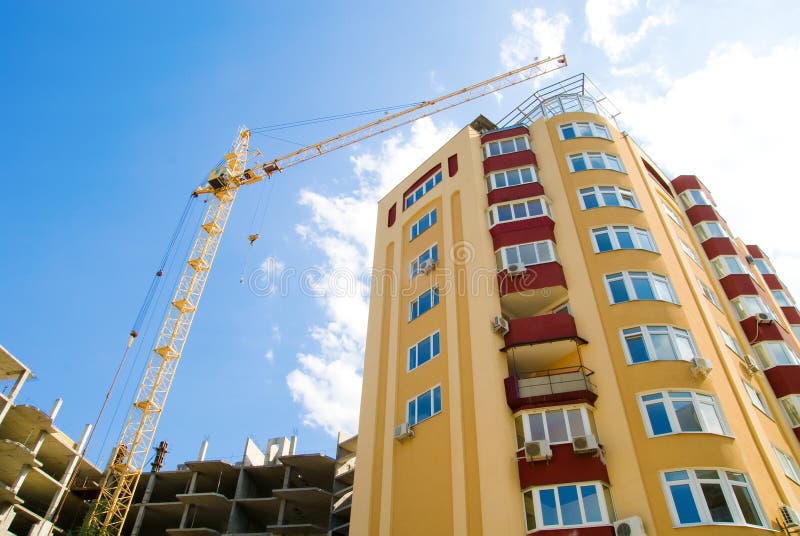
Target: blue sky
x=112, y=114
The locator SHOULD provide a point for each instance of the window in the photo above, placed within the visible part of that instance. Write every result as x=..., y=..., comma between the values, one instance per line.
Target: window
x=730, y=341
x=583, y=130
x=511, y=145
x=783, y=298
x=510, y=177
x=774, y=353
x=788, y=464
x=572, y=505
x=622, y=237
x=690, y=198
x=672, y=215
x=432, y=253
x=607, y=196
x=690, y=252
x=426, y=187
x=757, y=399
x=681, y=412
x=423, y=351
x=554, y=425
x=425, y=406
x=791, y=406
x=527, y=254
x=565, y=103
x=708, y=293
x=725, y=265
x=763, y=266
x=796, y=331
x=584, y=161
x=422, y=224
x=662, y=343
x=518, y=210
x=424, y=302
x=747, y=306
x=628, y=286
x=710, y=229
x=711, y=496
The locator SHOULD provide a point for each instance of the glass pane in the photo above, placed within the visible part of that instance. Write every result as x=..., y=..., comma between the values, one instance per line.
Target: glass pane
x=504, y=213
x=628, y=200
x=619, y=292
x=535, y=208
x=583, y=129
x=568, y=132
x=578, y=163
x=674, y=476
x=519, y=210
x=570, y=508
x=624, y=239
x=687, y=418
x=684, y=504
x=662, y=346
x=494, y=149
x=500, y=180
x=423, y=406
x=437, y=400
x=710, y=418
x=527, y=175
x=663, y=290
x=536, y=423
x=518, y=428
x=642, y=288
x=543, y=252
x=530, y=517
x=747, y=505
x=685, y=348
x=659, y=421
x=637, y=349
x=424, y=352
x=412, y=357
x=513, y=177
x=596, y=161
x=715, y=499
x=424, y=302
x=603, y=241
x=412, y=412
x=575, y=419
x=591, y=504
x=556, y=426
x=436, y=344
x=547, y=501
x=590, y=201
x=521, y=144
x=527, y=254
x=610, y=199
x=507, y=146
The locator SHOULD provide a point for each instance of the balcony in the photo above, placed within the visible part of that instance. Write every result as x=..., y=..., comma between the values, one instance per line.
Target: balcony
x=784, y=379
x=758, y=332
x=716, y=246
x=566, y=385
x=524, y=295
x=536, y=342
x=738, y=285
x=699, y=213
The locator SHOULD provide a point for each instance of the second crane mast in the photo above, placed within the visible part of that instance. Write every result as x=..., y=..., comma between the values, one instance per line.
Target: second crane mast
x=130, y=455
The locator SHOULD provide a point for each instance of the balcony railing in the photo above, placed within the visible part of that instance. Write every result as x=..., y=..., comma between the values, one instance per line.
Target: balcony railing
x=550, y=387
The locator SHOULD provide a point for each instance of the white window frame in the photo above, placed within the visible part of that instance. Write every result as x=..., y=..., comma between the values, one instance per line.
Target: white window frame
x=620, y=194
x=435, y=298
x=423, y=189
x=430, y=253
x=791, y=407
x=726, y=485
x=769, y=358
x=749, y=305
x=415, y=399
x=782, y=298
x=429, y=341
x=586, y=418
x=513, y=206
x=709, y=293
x=690, y=198
x=725, y=265
x=757, y=399
x=602, y=493
x=527, y=175
x=659, y=285
x=671, y=214
x=730, y=341
x=636, y=234
x=690, y=252
x=502, y=254
x=710, y=229
x=430, y=220
x=520, y=143
x=697, y=399
x=648, y=331
x=788, y=464
x=595, y=130
x=610, y=162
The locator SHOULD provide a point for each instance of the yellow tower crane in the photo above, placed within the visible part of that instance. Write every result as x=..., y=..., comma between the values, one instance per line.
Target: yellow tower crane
x=107, y=517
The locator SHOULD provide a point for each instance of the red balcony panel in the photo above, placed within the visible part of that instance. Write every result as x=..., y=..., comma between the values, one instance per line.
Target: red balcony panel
x=796, y=433
x=508, y=161
x=791, y=315
x=517, y=402
x=784, y=379
x=511, y=193
x=522, y=232
x=605, y=530
x=761, y=332
x=714, y=247
x=686, y=182
x=505, y=133
x=540, y=329
x=756, y=252
x=699, y=213
x=738, y=285
x=773, y=282
x=563, y=468
x=539, y=276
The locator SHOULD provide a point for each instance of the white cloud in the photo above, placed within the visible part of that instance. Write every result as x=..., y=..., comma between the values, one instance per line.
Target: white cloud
x=327, y=382
x=534, y=35
x=733, y=124
x=269, y=355
x=603, y=21
x=434, y=80
x=276, y=333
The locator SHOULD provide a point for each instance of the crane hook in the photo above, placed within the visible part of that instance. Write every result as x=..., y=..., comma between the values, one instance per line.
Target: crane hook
x=253, y=237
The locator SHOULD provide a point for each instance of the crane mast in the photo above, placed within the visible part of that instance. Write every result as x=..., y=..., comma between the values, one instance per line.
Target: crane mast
x=127, y=462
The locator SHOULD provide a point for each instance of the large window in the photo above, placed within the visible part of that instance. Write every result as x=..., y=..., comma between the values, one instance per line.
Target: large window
x=671, y=214
x=586, y=161
x=783, y=298
x=527, y=254
x=725, y=265
x=730, y=341
x=629, y=286
x=747, y=306
x=677, y=412
x=424, y=302
x=430, y=254
x=425, y=405
x=511, y=145
x=583, y=130
x=710, y=229
x=510, y=177
x=757, y=399
x=518, y=210
x=658, y=343
x=796, y=331
x=426, y=187
x=422, y=224
x=708, y=293
x=690, y=198
x=690, y=252
x=712, y=496
x=788, y=464
x=763, y=266
x=791, y=406
x=572, y=505
x=607, y=196
x=423, y=351
x=773, y=353
x=622, y=237
x=555, y=426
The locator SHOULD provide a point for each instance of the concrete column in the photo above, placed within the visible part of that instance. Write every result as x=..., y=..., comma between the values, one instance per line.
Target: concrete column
x=148, y=492
x=188, y=507
x=282, y=507
x=66, y=478
x=24, y=375
x=8, y=514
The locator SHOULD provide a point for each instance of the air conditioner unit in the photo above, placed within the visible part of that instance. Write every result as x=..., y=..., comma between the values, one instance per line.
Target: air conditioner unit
x=585, y=444
x=500, y=325
x=749, y=259
x=630, y=526
x=750, y=364
x=701, y=367
x=516, y=268
x=790, y=516
x=764, y=318
x=537, y=450
x=403, y=431
x=427, y=266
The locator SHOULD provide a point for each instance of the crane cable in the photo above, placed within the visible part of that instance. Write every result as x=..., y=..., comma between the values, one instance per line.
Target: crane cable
x=326, y=118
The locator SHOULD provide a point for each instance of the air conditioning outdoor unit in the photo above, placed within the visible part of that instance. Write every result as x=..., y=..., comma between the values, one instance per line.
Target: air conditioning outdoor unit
x=750, y=364
x=403, y=431
x=427, y=266
x=537, y=450
x=790, y=516
x=630, y=526
x=585, y=444
x=764, y=318
x=500, y=325
x=701, y=366
x=516, y=268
